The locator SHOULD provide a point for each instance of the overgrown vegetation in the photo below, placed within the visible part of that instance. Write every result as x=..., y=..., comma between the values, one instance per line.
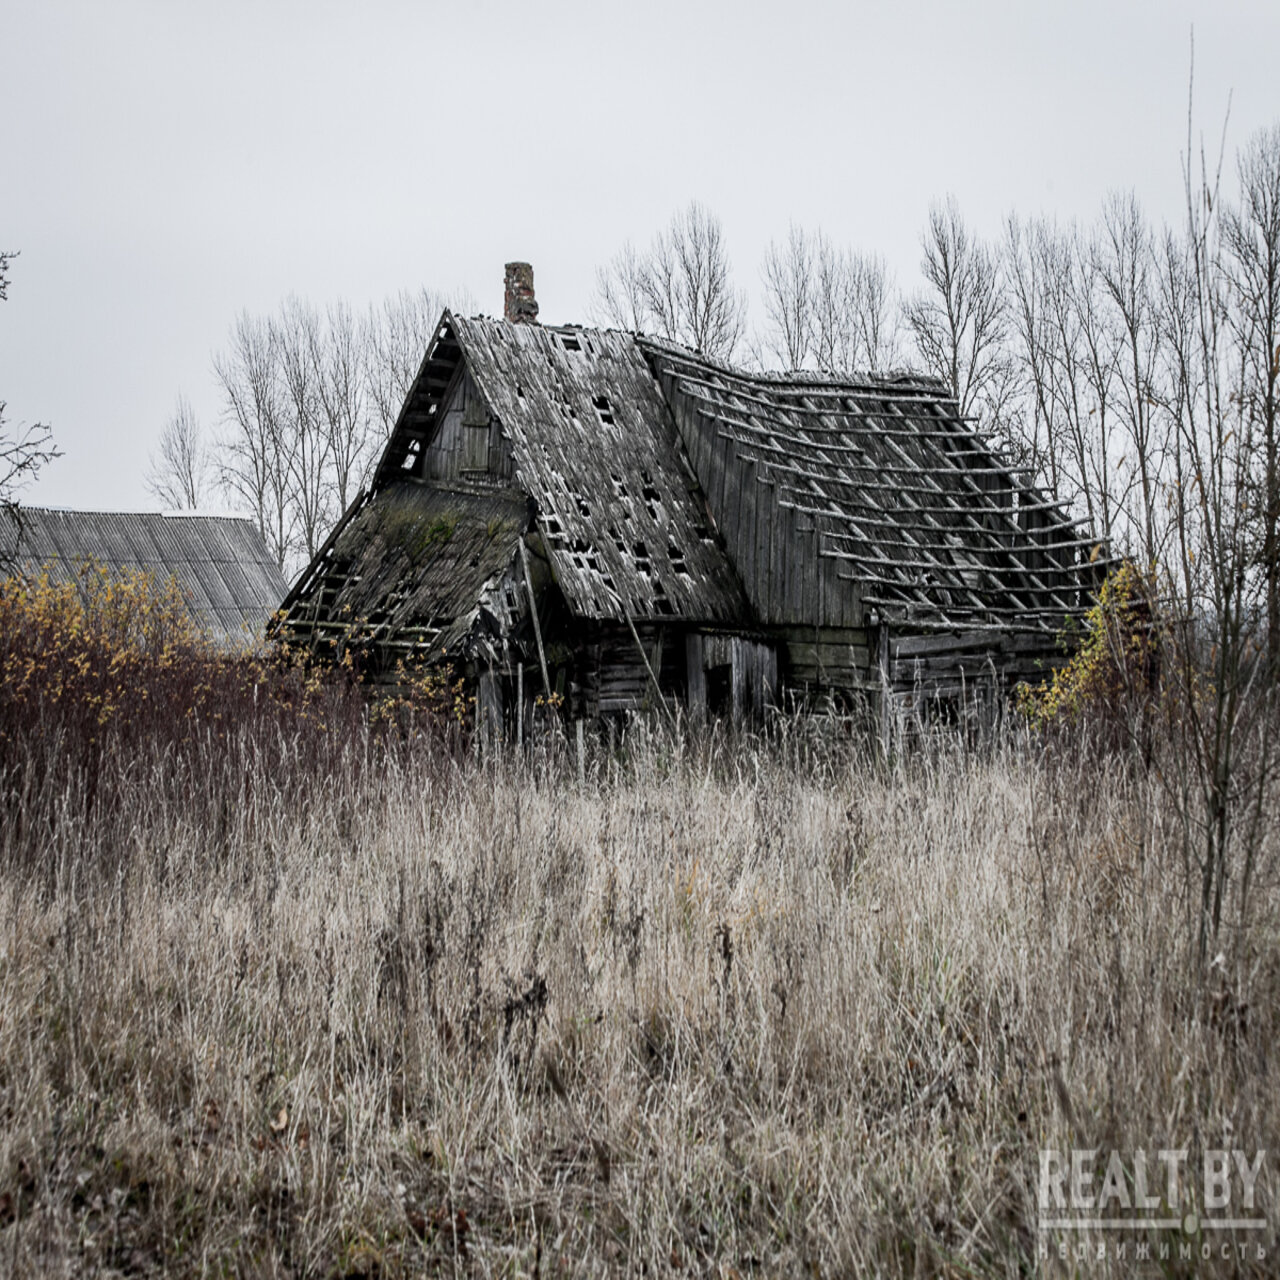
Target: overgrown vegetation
x=285, y=992
x=1112, y=663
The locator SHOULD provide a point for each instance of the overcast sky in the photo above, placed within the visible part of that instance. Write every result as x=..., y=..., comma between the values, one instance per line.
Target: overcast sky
x=165, y=165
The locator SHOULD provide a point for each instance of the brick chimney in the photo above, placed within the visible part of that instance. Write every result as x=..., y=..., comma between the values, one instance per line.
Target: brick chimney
x=519, y=305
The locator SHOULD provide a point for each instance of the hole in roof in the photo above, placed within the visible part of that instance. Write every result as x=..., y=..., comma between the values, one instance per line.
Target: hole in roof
x=603, y=409
x=619, y=486
x=583, y=509
x=569, y=342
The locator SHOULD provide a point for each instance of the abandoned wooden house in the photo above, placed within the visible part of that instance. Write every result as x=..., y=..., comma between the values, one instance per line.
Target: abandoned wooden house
x=221, y=565
x=616, y=520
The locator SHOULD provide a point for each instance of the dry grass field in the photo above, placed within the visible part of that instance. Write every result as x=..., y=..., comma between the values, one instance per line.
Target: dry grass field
x=287, y=999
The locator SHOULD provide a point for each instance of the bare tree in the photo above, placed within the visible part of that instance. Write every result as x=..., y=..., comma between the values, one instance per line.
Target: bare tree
x=681, y=288
x=295, y=343
x=620, y=293
x=1218, y=347
x=341, y=360
x=1065, y=359
x=1034, y=268
x=1123, y=260
x=1251, y=236
x=790, y=304
x=181, y=471
x=832, y=309
x=24, y=449
x=253, y=463
x=397, y=334
x=958, y=321
x=857, y=316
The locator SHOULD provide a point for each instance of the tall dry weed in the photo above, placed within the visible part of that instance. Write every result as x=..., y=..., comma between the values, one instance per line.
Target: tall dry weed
x=375, y=1005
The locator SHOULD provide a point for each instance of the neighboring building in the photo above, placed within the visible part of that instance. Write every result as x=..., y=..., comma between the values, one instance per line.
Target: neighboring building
x=221, y=564
x=610, y=516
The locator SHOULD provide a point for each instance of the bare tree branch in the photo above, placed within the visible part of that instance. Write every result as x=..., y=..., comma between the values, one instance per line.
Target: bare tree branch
x=681, y=289
x=958, y=322
x=253, y=461
x=23, y=449
x=181, y=471
x=787, y=274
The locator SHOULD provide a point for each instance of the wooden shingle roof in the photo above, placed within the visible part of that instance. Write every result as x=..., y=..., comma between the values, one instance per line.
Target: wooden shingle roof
x=904, y=500
x=668, y=487
x=619, y=510
x=595, y=447
x=231, y=583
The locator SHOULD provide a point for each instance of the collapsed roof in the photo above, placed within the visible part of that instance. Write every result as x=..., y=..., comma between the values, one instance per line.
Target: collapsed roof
x=885, y=490
x=661, y=486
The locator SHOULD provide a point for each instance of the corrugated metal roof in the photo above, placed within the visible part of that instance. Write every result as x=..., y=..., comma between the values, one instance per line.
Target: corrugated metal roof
x=220, y=562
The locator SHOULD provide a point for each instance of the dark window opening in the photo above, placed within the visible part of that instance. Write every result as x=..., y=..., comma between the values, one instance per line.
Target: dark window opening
x=569, y=342
x=603, y=409
x=720, y=689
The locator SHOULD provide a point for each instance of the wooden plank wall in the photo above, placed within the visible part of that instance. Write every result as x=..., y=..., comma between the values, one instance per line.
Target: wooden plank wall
x=609, y=672
x=827, y=659
x=454, y=452
x=949, y=664
x=774, y=547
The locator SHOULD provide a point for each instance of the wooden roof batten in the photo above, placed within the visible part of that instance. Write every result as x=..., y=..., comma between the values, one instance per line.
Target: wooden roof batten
x=901, y=491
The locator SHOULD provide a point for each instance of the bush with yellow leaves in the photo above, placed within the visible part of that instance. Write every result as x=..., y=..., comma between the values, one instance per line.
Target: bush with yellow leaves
x=103, y=672
x=1113, y=666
